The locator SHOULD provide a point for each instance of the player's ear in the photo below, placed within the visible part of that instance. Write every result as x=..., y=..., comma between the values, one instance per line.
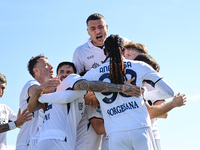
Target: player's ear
x=35, y=70
x=88, y=32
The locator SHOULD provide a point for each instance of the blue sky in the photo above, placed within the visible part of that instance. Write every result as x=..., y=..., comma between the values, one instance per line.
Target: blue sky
x=169, y=29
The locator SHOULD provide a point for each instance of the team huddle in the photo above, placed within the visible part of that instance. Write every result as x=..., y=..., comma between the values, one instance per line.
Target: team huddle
x=108, y=98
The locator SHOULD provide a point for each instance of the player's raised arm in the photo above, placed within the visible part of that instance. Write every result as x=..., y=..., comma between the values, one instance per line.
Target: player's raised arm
x=47, y=87
x=158, y=110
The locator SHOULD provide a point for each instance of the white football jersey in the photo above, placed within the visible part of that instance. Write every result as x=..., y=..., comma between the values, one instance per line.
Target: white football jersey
x=122, y=112
x=29, y=128
x=88, y=56
x=86, y=136
x=6, y=115
x=154, y=126
x=35, y=137
x=61, y=120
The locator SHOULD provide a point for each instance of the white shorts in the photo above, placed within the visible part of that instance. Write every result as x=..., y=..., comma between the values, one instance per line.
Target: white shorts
x=53, y=144
x=138, y=139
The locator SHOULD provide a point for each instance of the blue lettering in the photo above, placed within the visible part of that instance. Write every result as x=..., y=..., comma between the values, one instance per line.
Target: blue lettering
x=122, y=108
x=49, y=107
x=136, y=105
x=46, y=117
x=127, y=64
x=104, y=69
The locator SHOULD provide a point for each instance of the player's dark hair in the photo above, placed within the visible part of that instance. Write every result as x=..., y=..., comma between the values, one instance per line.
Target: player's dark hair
x=113, y=47
x=83, y=73
x=3, y=78
x=66, y=63
x=32, y=62
x=94, y=16
x=149, y=60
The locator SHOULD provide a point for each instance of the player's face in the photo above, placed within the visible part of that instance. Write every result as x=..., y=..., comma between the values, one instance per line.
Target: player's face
x=2, y=88
x=64, y=71
x=131, y=53
x=45, y=69
x=97, y=29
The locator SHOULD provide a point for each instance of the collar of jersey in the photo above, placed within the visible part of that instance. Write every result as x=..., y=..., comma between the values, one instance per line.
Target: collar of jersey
x=91, y=45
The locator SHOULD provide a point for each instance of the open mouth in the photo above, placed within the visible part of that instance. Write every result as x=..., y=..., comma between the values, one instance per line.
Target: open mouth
x=99, y=37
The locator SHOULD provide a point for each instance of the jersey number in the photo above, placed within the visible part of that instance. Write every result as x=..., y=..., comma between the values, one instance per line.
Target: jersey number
x=114, y=95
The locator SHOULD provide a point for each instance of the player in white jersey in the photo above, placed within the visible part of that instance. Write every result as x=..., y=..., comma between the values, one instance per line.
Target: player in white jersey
x=61, y=119
x=87, y=138
x=42, y=72
x=8, y=119
x=62, y=132
x=89, y=133
x=63, y=69
x=126, y=119
x=149, y=60
x=91, y=55
x=50, y=130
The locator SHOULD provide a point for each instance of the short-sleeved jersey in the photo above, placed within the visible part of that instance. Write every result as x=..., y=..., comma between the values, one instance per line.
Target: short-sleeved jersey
x=6, y=115
x=86, y=136
x=121, y=112
x=61, y=120
x=154, y=126
x=29, y=128
x=88, y=56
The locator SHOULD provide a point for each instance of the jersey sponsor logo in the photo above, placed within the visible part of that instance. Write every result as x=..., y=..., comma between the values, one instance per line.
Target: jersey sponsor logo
x=80, y=105
x=113, y=96
x=95, y=65
x=122, y=108
x=89, y=57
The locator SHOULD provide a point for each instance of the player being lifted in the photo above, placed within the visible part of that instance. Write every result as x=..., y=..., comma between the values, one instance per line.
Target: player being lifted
x=126, y=119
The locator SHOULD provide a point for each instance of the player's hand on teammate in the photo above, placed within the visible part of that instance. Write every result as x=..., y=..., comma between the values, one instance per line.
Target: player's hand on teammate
x=90, y=99
x=130, y=89
x=50, y=85
x=179, y=100
x=23, y=117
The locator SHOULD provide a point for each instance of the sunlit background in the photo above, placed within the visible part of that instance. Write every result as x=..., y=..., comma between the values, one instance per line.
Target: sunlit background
x=170, y=30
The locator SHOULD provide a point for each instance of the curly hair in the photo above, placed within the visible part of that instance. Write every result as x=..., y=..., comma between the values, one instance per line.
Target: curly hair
x=113, y=47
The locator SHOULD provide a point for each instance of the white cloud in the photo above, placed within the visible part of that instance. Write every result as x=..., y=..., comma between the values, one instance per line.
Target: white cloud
x=194, y=98
x=10, y=147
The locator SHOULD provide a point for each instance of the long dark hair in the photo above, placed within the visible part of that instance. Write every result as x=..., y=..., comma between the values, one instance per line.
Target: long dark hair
x=113, y=47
